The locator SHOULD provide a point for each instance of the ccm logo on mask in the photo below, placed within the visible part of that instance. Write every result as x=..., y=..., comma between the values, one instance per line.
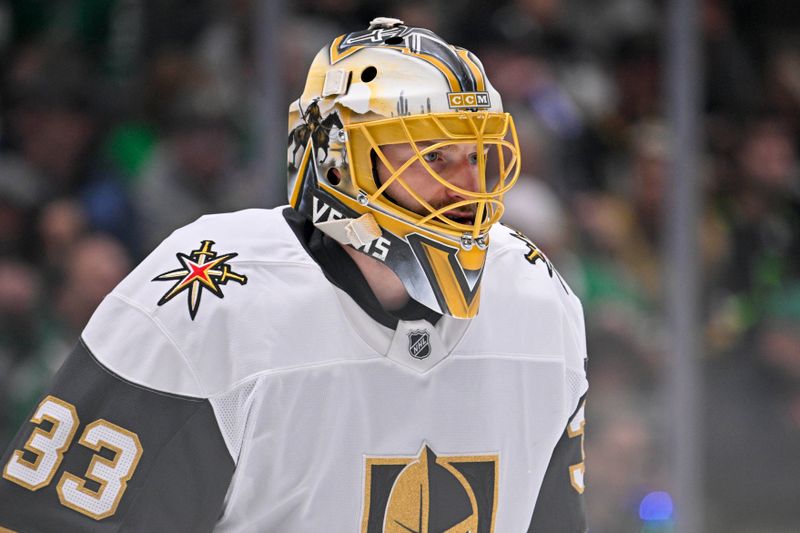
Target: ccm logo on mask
x=459, y=100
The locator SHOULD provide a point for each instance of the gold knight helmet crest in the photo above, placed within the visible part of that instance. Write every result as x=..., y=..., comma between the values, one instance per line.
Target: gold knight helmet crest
x=430, y=493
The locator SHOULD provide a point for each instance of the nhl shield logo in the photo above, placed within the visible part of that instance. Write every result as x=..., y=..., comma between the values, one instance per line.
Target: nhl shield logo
x=419, y=343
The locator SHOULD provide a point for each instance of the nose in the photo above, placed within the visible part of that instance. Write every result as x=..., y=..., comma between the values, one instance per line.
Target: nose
x=464, y=175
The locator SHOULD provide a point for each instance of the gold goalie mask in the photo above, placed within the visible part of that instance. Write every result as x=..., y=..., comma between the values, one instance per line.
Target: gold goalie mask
x=379, y=109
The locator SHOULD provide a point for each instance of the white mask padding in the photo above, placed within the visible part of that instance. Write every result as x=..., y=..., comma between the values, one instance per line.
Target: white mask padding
x=355, y=231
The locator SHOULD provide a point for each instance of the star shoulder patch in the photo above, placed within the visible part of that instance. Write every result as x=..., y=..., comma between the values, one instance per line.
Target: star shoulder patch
x=534, y=254
x=202, y=269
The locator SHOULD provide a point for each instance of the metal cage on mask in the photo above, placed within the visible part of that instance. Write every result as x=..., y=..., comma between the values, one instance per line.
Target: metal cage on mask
x=393, y=85
x=486, y=131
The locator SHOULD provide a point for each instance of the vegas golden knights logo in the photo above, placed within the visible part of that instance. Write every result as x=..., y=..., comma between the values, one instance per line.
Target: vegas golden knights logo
x=430, y=494
x=202, y=269
x=534, y=254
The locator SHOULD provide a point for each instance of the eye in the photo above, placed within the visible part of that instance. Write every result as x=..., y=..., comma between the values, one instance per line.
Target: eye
x=473, y=157
x=432, y=157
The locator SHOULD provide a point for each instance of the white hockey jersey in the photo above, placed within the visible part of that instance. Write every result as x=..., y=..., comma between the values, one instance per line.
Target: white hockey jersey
x=227, y=385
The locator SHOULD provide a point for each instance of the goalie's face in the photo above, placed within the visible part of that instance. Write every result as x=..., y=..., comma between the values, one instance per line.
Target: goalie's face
x=445, y=185
x=456, y=164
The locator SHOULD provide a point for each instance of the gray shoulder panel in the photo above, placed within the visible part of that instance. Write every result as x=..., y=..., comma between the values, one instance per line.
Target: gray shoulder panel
x=560, y=507
x=178, y=484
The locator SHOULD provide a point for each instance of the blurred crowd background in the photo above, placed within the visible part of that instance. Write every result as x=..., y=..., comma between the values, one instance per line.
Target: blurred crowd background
x=121, y=120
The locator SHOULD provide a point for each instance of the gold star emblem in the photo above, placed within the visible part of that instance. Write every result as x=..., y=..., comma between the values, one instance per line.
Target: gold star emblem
x=201, y=269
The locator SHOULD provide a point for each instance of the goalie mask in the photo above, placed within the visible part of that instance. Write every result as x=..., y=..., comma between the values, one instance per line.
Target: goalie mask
x=381, y=109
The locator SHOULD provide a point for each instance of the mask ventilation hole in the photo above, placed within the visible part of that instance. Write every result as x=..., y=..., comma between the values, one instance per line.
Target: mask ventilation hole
x=394, y=40
x=333, y=179
x=368, y=74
